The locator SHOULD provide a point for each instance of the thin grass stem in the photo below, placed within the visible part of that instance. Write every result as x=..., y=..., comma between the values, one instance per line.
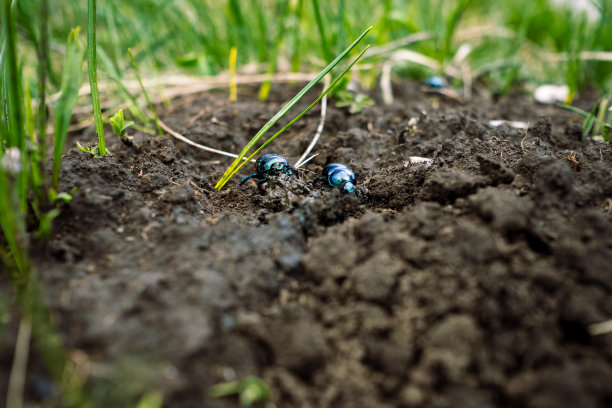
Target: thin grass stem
x=43, y=63
x=340, y=30
x=182, y=138
x=264, y=89
x=133, y=105
x=14, y=113
x=300, y=162
x=233, y=90
x=145, y=93
x=327, y=54
x=14, y=118
x=35, y=162
x=71, y=75
x=295, y=57
x=16, y=385
x=93, y=74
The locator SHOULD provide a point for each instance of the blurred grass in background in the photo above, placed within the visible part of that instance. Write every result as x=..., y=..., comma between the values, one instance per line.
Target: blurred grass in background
x=522, y=42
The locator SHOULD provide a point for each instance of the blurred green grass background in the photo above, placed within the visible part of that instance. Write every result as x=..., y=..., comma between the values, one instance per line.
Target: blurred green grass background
x=511, y=40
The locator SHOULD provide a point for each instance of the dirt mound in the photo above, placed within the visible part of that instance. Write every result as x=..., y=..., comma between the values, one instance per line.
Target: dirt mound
x=470, y=282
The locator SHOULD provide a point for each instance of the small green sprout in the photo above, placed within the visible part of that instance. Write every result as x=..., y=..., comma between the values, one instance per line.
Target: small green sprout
x=120, y=126
x=92, y=149
x=355, y=101
x=250, y=390
x=599, y=121
x=45, y=223
x=55, y=197
x=46, y=218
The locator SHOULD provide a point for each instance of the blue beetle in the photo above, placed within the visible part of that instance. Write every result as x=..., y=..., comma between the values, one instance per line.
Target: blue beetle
x=268, y=165
x=436, y=82
x=338, y=175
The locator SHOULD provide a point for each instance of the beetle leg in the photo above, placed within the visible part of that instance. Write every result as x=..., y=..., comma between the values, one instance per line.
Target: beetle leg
x=248, y=177
x=263, y=180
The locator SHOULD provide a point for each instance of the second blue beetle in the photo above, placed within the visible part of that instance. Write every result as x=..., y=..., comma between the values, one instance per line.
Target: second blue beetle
x=338, y=175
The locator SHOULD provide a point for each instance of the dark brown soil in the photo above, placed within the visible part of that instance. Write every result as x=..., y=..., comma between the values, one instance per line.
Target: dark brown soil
x=469, y=283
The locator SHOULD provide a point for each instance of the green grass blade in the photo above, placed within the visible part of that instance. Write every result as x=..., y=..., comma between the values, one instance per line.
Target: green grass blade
x=237, y=30
x=295, y=57
x=111, y=72
x=93, y=74
x=264, y=90
x=111, y=13
x=231, y=170
x=14, y=115
x=262, y=28
x=11, y=221
x=35, y=162
x=574, y=109
x=233, y=88
x=113, y=75
x=43, y=63
x=603, y=115
x=16, y=136
x=450, y=27
x=327, y=54
x=71, y=81
x=146, y=95
x=340, y=29
x=331, y=87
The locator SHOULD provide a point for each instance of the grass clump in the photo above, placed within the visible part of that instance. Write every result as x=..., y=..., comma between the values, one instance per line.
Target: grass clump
x=29, y=201
x=511, y=41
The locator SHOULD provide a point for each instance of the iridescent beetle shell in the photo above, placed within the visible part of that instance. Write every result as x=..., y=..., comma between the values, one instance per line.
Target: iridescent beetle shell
x=436, y=82
x=338, y=175
x=269, y=164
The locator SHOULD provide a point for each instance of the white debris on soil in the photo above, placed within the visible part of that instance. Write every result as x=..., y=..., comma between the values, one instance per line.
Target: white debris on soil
x=11, y=162
x=551, y=94
x=414, y=160
x=512, y=123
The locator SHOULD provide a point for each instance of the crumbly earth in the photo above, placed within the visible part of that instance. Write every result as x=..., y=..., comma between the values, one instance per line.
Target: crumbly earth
x=473, y=282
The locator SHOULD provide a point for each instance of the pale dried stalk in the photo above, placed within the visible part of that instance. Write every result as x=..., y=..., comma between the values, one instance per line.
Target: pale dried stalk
x=14, y=397
x=178, y=86
x=582, y=56
x=184, y=85
x=597, y=329
x=421, y=59
x=301, y=161
x=182, y=138
x=385, y=83
x=402, y=42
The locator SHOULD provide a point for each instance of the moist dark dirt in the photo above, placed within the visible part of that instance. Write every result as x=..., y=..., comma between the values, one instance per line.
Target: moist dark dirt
x=472, y=282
